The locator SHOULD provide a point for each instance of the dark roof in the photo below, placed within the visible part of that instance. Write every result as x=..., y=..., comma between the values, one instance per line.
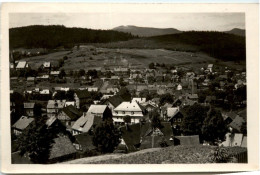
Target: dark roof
x=166, y=130
x=62, y=146
x=85, y=140
x=237, y=123
x=72, y=112
x=83, y=94
x=188, y=140
x=115, y=100
x=145, y=129
x=131, y=135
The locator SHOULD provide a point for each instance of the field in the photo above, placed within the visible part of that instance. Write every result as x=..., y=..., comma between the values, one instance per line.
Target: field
x=169, y=155
x=89, y=57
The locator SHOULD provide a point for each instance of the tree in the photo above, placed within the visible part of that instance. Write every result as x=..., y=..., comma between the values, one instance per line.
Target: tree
x=125, y=94
x=37, y=110
x=81, y=72
x=62, y=73
x=127, y=119
x=244, y=128
x=36, y=141
x=214, y=127
x=193, y=120
x=155, y=119
x=151, y=66
x=106, y=137
x=166, y=98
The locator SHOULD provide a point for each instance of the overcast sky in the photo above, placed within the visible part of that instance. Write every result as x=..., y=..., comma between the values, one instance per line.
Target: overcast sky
x=180, y=21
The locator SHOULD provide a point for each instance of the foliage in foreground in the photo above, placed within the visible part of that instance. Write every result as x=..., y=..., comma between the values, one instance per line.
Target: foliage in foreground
x=106, y=137
x=36, y=141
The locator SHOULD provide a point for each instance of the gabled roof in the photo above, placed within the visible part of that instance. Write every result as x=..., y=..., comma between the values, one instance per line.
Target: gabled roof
x=21, y=64
x=82, y=93
x=115, y=100
x=128, y=106
x=50, y=121
x=237, y=123
x=28, y=105
x=131, y=135
x=71, y=112
x=97, y=109
x=85, y=122
x=62, y=146
x=23, y=123
x=85, y=140
x=167, y=130
x=30, y=78
x=171, y=112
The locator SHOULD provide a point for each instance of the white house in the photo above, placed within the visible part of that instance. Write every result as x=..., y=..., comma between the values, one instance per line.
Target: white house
x=132, y=109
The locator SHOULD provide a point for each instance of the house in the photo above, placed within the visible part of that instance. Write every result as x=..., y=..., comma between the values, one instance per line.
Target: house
x=139, y=100
x=179, y=87
x=22, y=65
x=112, y=90
x=68, y=103
x=30, y=80
x=113, y=101
x=210, y=67
x=92, y=89
x=62, y=149
x=237, y=123
x=95, y=115
x=29, y=109
x=229, y=116
x=81, y=97
x=149, y=106
x=121, y=71
x=233, y=140
x=68, y=115
x=54, y=106
x=83, y=142
x=131, y=136
x=100, y=110
x=85, y=123
x=152, y=138
x=193, y=97
x=54, y=73
x=46, y=66
x=210, y=100
x=132, y=109
x=21, y=124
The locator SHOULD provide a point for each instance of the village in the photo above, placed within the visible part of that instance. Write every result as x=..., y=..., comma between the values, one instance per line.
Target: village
x=159, y=105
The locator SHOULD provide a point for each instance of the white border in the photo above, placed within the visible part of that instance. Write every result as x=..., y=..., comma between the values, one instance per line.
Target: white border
x=251, y=11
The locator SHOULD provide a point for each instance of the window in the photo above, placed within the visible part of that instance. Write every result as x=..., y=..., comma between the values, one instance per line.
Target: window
x=179, y=120
x=174, y=120
x=123, y=112
x=132, y=113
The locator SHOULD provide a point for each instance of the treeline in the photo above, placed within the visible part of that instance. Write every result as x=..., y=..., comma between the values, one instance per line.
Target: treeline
x=54, y=36
x=217, y=44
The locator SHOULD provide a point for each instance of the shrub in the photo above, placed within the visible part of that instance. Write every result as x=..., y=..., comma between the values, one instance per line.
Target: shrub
x=220, y=155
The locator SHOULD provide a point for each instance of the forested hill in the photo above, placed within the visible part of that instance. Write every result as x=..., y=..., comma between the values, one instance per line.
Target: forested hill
x=52, y=36
x=217, y=44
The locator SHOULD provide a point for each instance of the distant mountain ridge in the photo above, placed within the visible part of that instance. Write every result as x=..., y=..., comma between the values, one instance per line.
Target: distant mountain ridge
x=145, y=31
x=53, y=36
x=237, y=31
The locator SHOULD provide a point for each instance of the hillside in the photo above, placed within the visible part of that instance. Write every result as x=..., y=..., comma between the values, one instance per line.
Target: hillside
x=54, y=36
x=223, y=46
x=236, y=31
x=169, y=155
x=145, y=31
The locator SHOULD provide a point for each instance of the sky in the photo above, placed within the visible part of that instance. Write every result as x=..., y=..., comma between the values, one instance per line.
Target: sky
x=180, y=21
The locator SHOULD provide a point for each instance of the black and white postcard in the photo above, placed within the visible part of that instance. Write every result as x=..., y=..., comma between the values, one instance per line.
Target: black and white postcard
x=129, y=87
